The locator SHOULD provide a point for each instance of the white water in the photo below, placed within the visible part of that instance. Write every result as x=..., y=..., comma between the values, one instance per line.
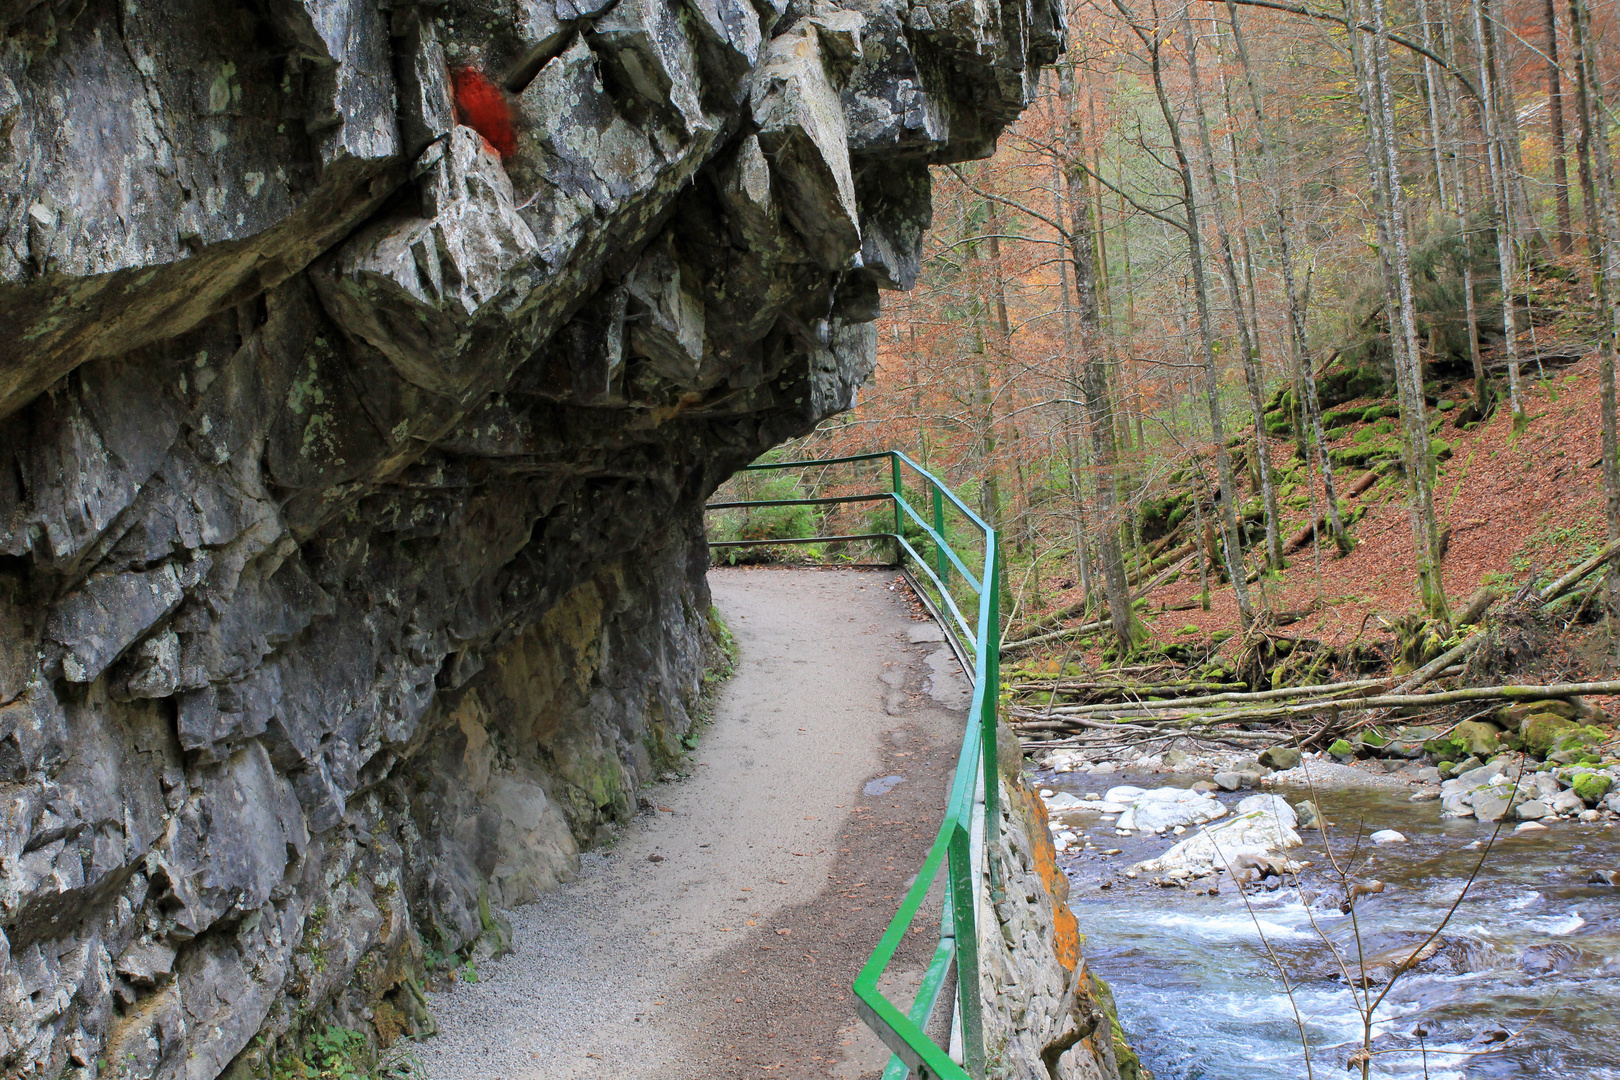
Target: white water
x=1531, y=951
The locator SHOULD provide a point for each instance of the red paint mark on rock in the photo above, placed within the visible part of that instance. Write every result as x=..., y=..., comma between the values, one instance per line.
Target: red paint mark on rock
x=484, y=107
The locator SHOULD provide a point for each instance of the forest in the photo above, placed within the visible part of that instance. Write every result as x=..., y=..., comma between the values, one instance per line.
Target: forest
x=1274, y=314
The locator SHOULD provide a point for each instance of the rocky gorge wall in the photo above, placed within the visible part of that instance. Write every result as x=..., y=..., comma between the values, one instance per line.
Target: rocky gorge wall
x=352, y=461
x=1047, y=1016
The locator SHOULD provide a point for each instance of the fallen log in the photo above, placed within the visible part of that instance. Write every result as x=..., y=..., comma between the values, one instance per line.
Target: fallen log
x=1303, y=537
x=1064, y=686
x=1571, y=579
x=1161, y=579
x=1068, y=631
x=1207, y=718
x=1242, y=696
x=1363, y=484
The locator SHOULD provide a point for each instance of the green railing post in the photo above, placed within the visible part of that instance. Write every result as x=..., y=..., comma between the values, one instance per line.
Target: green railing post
x=991, y=636
x=942, y=562
x=899, y=493
x=964, y=892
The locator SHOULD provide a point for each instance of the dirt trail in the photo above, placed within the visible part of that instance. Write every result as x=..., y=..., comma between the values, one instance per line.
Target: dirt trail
x=719, y=937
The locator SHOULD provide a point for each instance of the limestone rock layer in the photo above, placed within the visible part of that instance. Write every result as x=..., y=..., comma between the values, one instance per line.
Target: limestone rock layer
x=352, y=460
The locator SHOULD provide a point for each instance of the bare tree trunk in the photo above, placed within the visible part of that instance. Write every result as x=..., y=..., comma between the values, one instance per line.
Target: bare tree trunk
x=1206, y=329
x=1555, y=103
x=1020, y=515
x=1496, y=164
x=1234, y=287
x=1459, y=204
x=989, y=484
x=1071, y=421
x=1594, y=127
x=1496, y=45
x=1094, y=374
x=1310, y=404
x=1409, y=361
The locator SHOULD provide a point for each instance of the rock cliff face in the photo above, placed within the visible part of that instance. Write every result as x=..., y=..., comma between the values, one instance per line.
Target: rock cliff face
x=351, y=462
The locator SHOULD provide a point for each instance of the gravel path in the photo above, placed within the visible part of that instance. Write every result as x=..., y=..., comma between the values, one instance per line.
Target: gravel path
x=719, y=936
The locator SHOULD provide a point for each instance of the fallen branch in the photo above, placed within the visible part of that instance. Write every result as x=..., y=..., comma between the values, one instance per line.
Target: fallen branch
x=1068, y=631
x=1363, y=484
x=1571, y=579
x=1161, y=579
x=1238, y=697
x=1208, y=718
x=1481, y=602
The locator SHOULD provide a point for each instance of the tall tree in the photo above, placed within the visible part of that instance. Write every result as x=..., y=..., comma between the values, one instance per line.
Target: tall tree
x=1498, y=166
x=1093, y=371
x=1603, y=241
x=1259, y=450
x=1380, y=110
x=1153, y=38
x=1555, y=107
x=1282, y=214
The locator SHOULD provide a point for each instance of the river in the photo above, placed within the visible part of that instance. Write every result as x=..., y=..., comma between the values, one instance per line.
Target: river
x=1526, y=982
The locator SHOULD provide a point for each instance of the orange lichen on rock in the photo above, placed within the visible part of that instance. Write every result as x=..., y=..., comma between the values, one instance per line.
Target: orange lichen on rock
x=1065, y=928
x=484, y=107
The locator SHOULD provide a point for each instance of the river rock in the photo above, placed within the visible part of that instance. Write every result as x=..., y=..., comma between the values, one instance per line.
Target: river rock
x=1567, y=803
x=1229, y=781
x=1387, y=836
x=1056, y=804
x=1541, y=732
x=1456, y=806
x=1605, y=877
x=1262, y=825
x=1489, y=807
x=1458, y=768
x=1545, y=784
x=1179, y=760
x=1408, y=743
x=1529, y=826
x=1167, y=808
x=1534, y=810
x=1478, y=738
x=1307, y=815
x=1280, y=757
x=1512, y=717
x=1591, y=787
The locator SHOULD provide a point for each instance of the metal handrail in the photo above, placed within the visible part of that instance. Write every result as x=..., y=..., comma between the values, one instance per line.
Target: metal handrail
x=973, y=814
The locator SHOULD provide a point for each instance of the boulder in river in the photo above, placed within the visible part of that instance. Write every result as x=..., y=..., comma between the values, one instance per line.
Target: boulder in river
x=1591, y=787
x=1280, y=757
x=1308, y=816
x=1409, y=743
x=1512, y=717
x=1478, y=738
x=1168, y=808
x=1567, y=803
x=1534, y=810
x=1387, y=836
x=1491, y=807
x=1263, y=825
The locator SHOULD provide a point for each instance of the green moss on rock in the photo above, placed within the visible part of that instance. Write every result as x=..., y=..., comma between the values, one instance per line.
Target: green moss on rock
x=1592, y=787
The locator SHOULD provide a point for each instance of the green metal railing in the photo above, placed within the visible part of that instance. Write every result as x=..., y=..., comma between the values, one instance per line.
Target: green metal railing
x=965, y=835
